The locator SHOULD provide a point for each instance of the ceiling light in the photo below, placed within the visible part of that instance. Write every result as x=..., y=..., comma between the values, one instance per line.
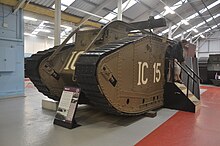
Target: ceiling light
x=126, y=5
x=110, y=16
x=202, y=36
x=49, y=37
x=46, y=22
x=184, y=21
x=177, y=36
x=134, y=31
x=30, y=18
x=174, y=7
x=29, y=34
x=168, y=9
x=62, y=7
x=34, y=32
x=195, y=30
x=43, y=30
x=65, y=2
x=40, y=27
x=65, y=26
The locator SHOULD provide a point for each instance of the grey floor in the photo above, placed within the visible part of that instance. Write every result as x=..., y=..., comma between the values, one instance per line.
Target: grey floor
x=24, y=123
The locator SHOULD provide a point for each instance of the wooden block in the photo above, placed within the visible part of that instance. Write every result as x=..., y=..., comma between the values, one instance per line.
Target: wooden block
x=197, y=107
x=49, y=104
x=151, y=114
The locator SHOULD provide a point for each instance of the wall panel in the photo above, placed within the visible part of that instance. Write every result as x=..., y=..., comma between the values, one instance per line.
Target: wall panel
x=12, y=53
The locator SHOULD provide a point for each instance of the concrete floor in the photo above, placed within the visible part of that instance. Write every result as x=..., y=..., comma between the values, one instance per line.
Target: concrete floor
x=24, y=123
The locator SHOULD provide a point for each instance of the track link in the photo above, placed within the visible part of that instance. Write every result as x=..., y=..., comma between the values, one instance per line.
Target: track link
x=32, y=70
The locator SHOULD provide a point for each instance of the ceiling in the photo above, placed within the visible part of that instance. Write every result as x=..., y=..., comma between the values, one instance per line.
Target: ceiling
x=202, y=15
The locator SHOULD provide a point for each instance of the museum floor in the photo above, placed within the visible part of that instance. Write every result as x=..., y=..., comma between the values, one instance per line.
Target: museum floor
x=24, y=123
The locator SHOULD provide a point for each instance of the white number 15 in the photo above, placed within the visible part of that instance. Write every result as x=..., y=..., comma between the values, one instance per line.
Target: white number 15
x=157, y=73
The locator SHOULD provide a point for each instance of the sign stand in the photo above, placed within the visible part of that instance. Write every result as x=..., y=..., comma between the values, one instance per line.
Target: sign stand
x=66, y=111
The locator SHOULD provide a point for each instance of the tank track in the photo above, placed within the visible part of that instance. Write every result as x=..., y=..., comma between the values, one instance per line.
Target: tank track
x=32, y=66
x=86, y=78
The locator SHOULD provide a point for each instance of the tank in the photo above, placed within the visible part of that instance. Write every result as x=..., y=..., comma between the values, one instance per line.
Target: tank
x=203, y=73
x=213, y=69
x=119, y=71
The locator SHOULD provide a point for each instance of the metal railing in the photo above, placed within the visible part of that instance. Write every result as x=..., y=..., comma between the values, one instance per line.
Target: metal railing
x=172, y=61
x=193, y=75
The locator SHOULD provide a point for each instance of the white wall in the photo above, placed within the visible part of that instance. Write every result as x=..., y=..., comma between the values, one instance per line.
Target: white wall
x=34, y=44
x=39, y=43
x=209, y=46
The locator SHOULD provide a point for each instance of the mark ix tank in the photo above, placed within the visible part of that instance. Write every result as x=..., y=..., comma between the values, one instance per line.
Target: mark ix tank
x=118, y=71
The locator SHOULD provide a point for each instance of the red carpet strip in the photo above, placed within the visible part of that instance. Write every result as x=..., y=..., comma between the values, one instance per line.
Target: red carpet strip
x=189, y=129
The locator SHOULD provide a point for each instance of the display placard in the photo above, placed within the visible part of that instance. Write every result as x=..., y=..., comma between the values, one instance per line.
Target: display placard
x=67, y=108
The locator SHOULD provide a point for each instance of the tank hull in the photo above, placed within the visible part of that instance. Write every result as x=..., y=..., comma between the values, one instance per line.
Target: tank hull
x=125, y=77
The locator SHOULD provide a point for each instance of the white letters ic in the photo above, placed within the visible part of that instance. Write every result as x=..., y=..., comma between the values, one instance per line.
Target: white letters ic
x=141, y=70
